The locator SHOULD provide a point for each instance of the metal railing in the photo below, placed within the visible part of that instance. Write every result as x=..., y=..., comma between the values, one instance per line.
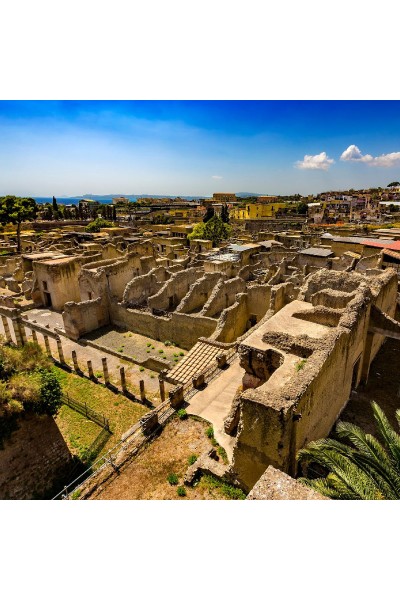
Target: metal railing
x=85, y=410
x=164, y=411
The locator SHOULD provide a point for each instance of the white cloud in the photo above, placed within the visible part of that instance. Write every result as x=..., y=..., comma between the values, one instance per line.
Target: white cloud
x=353, y=153
x=216, y=177
x=318, y=161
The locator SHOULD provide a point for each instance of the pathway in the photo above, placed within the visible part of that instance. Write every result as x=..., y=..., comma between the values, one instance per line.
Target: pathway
x=214, y=403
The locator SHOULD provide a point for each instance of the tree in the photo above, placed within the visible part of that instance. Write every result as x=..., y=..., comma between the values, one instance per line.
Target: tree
x=302, y=208
x=368, y=469
x=393, y=184
x=209, y=214
x=215, y=229
x=16, y=210
x=225, y=214
x=94, y=226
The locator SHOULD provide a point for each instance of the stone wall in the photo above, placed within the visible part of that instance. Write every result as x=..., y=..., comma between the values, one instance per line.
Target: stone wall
x=183, y=330
x=33, y=459
x=170, y=295
x=83, y=317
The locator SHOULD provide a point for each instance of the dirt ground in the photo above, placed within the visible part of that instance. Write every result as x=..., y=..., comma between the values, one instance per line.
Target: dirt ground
x=138, y=346
x=383, y=386
x=145, y=478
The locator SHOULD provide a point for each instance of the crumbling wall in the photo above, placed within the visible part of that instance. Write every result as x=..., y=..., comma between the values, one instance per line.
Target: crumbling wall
x=223, y=296
x=170, y=295
x=83, y=317
x=198, y=293
x=139, y=289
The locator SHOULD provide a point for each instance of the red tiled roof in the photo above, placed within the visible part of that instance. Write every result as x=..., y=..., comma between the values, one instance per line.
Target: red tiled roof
x=389, y=245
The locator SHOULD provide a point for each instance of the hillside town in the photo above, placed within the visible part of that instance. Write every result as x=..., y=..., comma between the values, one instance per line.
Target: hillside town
x=193, y=348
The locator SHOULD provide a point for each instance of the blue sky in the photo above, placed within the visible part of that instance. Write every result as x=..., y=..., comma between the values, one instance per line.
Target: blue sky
x=196, y=147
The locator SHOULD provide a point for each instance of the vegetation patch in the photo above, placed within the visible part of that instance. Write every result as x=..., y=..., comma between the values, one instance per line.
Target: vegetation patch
x=227, y=490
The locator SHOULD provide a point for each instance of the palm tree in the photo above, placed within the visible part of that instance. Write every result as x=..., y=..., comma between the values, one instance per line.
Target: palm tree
x=364, y=470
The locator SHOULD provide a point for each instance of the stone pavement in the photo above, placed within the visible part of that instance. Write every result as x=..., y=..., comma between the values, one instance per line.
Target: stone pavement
x=214, y=402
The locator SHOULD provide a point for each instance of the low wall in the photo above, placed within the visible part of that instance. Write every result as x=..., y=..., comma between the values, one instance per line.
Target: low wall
x=183, y=330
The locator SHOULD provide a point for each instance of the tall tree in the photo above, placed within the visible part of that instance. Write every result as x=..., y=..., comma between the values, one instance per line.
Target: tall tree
x=209, y=214
x=225, y=214
x=365, y=469
x=16, y=210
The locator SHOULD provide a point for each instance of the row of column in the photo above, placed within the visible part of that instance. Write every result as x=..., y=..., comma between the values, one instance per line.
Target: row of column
x=21, y=339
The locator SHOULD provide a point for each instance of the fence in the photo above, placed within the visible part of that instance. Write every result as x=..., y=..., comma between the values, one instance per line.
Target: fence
x=163, y=411
x=85, y=410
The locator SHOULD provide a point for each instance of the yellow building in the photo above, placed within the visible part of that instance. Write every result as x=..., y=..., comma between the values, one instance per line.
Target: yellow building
x=257, y=211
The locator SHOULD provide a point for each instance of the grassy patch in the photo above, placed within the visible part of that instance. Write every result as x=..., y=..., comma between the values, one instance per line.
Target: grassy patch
x=301, y=364
x=225, y=489
x=173, y=479
x=78, y=432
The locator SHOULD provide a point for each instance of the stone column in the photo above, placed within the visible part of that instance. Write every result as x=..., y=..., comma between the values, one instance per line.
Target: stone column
x=176, y=397
x=6, y=328
x=17, y=333
x=23, y=332
x=90, y=369
x=149, y=422
x=60, y=350
x=47, y=344
x=34, y=336
x=162, y=388
x=123, y=379
x=75, y=361
x=105, y=371
x=142, y=390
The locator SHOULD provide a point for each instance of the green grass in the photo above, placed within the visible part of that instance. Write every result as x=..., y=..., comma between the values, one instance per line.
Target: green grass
x=173, y=479
x=192, y=459
x=222, y=453
x=225, y=489
x=301, y=364
x=181, y=491
x=78, y=432
x=210, y=432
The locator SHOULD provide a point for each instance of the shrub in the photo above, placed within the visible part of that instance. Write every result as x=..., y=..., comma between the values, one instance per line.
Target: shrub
x=147, y=351
x=181, y=491
x=229, y=491
x=192, y=459
x=161, y=351
x=172, y=478
x=222, y=452
x=181, y=354
x=94, y=226
x=120, y=349
x=50, y=393
x=210, y=432
x=300, y=365
x=148, y=345
x=182, y=414
x=167, y=343
x=141, y=369
x=98, y=374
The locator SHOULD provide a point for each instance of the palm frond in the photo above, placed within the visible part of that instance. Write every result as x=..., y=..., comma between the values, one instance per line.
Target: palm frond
x=388, y=434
